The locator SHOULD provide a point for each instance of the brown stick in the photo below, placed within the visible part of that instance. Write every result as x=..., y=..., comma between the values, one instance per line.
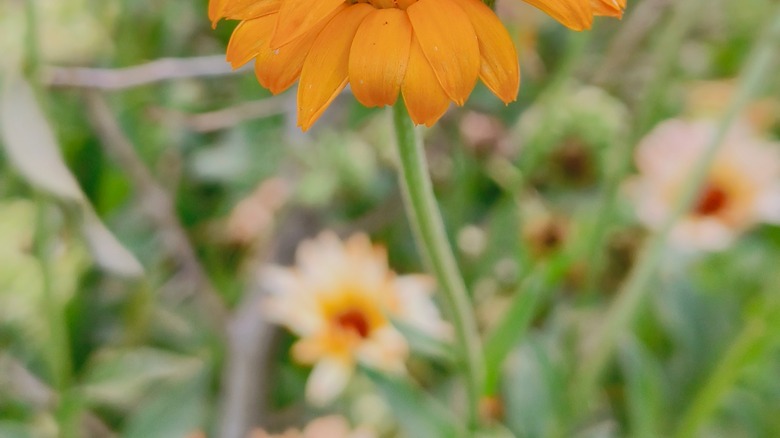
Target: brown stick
x=128, y=77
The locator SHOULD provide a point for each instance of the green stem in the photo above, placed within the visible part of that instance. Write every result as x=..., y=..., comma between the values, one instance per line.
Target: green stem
x=58, y=349
x=666, y=53
x=32, y=58
x=620, y=316
x=427, y=223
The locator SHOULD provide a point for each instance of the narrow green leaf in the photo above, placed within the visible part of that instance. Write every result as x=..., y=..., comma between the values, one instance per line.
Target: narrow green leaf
x=644, y=389
x=418, y=414
x=515, y=322
x=425, y=345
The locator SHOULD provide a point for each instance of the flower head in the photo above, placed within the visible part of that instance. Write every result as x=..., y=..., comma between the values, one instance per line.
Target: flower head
x=431, y=52
x=742, y=187
x=331, y=426
x=339, y=300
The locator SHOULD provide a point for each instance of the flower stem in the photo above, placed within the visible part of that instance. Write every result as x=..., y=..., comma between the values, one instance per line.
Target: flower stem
x=58, y=345
x=427, y=223
x=623, y=312
x=665, y=56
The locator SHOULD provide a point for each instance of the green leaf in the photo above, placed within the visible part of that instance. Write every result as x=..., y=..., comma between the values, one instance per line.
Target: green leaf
x=173, y=411
x=426, y=345
x=418, y=414
x=533, y=390
x=645, y=382
x=122, y=377
x=13, y=429
x=33, y=149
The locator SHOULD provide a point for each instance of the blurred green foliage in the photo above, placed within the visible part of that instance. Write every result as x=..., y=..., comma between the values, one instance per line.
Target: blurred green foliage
x=86, y=352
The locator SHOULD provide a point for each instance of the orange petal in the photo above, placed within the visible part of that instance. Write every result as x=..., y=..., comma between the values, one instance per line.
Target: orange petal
x=425, y=99
x=216, y=8
x=575, y=14
x=277, y=69
x=296, y=17
x=609, y=8
x=379, y=56
x=250, y=9
x=326, y=68
x=499, y=68
x=449, y=43
x=249, y=38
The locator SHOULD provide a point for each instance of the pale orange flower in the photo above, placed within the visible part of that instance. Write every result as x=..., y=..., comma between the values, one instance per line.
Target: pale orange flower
x=742, y=187
x=332, y=426
x=339, y=299
x=431, y=52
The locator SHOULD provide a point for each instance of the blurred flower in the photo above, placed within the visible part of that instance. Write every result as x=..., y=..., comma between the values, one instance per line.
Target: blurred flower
x=545, y=234
x=741, y=189
x=573, y=163
x=485, y=134
x=339, y=300
x=333, y=426
x=573, y=137
x=706, y=99
x=253, y=217
x=472, y=241
x=492, y=408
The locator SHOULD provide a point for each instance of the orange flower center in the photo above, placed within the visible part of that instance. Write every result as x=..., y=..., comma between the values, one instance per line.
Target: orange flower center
x=386, y=4
x=354, y=321
x=712, y=201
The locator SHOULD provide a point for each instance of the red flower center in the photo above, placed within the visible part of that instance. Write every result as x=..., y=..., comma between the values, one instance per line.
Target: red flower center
x=354, y=321
x=711, y=201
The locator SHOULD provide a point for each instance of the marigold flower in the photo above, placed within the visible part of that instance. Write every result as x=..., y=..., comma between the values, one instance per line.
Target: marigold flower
x=741, y=189
x=430, y=51
x=339, y=300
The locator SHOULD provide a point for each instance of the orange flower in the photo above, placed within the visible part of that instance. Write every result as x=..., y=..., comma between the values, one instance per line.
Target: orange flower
x=578, y=14
x=608, y=8
x=430, y=51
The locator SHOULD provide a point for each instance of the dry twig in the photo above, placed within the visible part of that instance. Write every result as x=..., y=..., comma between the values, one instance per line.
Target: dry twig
x=122, y=78
x=227, y=117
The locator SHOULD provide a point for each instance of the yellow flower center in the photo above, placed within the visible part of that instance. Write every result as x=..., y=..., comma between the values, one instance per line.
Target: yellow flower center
x=386, y=4
x=713, y=200
x=353, y=315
